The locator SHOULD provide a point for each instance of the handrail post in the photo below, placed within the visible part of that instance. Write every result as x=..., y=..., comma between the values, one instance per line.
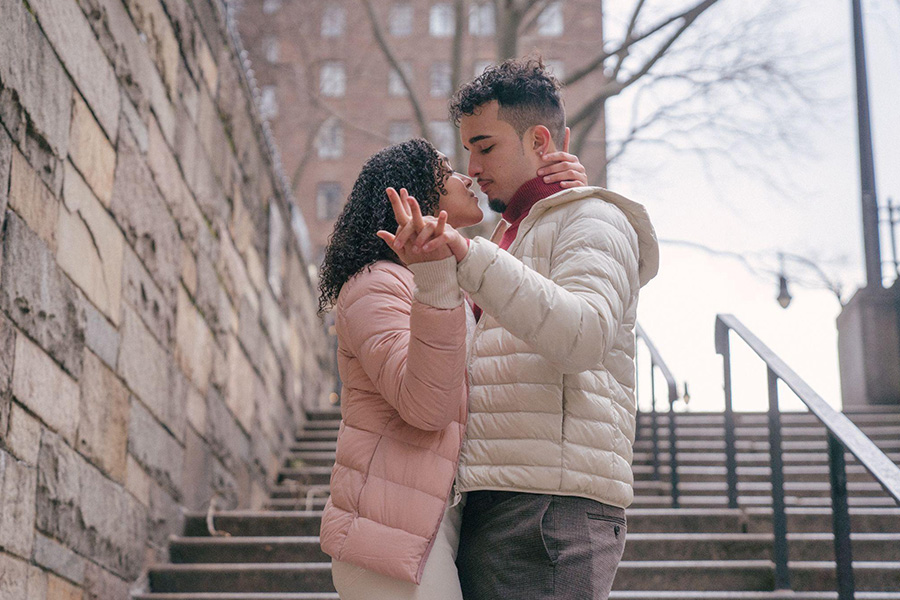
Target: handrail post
x=654, y=427
x=779, y=516
x=673, y=446
x=841, y=519
x=723, y=347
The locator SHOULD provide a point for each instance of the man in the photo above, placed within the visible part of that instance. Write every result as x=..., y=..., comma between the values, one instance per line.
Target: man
x=547, y=456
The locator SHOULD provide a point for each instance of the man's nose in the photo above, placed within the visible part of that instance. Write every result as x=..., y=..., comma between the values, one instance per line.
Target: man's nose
x=474, y=167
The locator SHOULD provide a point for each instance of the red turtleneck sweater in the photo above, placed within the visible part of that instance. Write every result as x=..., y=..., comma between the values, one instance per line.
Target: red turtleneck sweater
x=520, y=205
x=518, y=208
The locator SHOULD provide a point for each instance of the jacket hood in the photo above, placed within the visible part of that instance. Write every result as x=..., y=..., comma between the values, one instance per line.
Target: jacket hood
x=648, y=245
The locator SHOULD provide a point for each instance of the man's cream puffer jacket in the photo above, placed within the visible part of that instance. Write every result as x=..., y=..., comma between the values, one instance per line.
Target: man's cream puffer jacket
x=551, y=371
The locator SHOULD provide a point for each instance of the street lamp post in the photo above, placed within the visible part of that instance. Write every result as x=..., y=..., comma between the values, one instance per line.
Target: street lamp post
x=871, y=241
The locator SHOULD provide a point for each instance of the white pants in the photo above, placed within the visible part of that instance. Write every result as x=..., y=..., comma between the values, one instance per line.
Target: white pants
x=440, y=580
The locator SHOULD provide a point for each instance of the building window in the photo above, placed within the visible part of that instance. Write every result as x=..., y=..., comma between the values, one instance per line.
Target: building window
x=332, y=79
x=480, y=66
x=440, y=22
x=440, y=80
x=271, y=6
x=268, y=103
x=334, y=20
x=395, y=83
x=481, y=19
x=550, y=21
x=328, y=200
x=330, y=139
x=557, y=68
x=443, y=135
x=271, y=48
x=401, y=19
x=400, y=131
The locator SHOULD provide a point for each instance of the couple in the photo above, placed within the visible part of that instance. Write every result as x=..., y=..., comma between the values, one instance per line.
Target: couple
x=486, y=460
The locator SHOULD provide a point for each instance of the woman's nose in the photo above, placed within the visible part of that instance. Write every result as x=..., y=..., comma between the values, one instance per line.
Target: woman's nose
x=467, y=180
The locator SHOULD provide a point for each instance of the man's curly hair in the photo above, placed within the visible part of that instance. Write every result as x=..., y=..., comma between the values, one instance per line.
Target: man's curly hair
x=353, y=246
x=527, y=93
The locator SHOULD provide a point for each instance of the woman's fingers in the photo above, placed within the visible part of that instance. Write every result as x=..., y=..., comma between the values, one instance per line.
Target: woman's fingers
x=398, y=203
x=387, y=236
x=437, y=242
x=404, y=233
x=563, y=167
x=416, y=212
x=441, y=223
x=424, y=235
x=560, y=156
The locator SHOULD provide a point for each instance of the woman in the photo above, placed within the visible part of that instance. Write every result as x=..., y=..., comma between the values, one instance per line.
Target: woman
x=391, y=523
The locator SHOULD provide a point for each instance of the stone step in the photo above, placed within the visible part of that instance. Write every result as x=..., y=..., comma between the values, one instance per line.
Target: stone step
x=748, y=458
x=710, y=519
x=640, y=546
x=256, y=523
x=724, y=595
x=281, y=504
x=319, y=475
x=761, y=418
x=756, y=546
x=755, y=520
x=792, y=472
x=284, y=549
x=324, y=415
x=296, y=460
x=292, y=491
x=660, y=501
x=718, y=445
x=316, y=435
x=241, y=577
x=749, y=575
x=753, y=488
x=788, y=432
x=322, y=425
x=245, y=596
x=314, y=446
x=615, y=595
x=714, y=575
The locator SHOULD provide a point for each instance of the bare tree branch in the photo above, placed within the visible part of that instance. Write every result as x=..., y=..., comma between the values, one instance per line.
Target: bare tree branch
x=297, y=175
x=627, y=43
x=615, y=87
x=395, y=64
x=459, y=12
x=539, y=6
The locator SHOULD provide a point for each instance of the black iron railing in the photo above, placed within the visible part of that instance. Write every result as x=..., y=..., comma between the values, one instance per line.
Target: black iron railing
x=842, y=435
x=657, y=363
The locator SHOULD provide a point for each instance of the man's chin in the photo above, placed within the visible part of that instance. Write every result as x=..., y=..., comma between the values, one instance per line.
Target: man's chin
x=497, y=205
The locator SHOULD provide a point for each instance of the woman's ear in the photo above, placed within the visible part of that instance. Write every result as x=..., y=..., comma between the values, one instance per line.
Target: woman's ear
x=541, y=140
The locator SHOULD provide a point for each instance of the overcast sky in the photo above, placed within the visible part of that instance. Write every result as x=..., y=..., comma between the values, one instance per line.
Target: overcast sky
x=814, y=213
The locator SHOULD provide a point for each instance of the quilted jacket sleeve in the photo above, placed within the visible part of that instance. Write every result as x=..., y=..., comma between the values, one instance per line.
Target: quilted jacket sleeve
x=413, y=353
x=573, y=317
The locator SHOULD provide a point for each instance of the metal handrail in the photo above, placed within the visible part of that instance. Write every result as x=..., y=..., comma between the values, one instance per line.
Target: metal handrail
x=843, y=435
x=657, y=362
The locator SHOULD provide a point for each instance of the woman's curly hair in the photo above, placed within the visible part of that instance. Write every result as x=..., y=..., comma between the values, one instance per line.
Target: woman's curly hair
x=353, y=246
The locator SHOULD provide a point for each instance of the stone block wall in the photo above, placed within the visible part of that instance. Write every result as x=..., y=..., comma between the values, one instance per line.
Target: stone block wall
x=158, y=335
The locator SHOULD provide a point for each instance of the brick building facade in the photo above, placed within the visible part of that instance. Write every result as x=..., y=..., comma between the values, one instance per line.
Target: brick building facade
x=334, y=99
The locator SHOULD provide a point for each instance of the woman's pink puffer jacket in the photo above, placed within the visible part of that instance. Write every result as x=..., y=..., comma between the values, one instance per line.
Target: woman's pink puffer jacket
x=403, y=407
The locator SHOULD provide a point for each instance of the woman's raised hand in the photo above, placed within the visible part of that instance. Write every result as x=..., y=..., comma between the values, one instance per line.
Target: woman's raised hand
x=413, y=230
x=564, y=168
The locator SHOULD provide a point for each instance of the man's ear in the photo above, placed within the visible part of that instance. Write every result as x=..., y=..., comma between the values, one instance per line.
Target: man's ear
x=541, y=140
x=565, y=147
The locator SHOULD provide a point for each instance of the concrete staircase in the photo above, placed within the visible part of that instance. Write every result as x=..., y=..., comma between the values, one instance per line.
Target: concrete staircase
x=702, y=550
